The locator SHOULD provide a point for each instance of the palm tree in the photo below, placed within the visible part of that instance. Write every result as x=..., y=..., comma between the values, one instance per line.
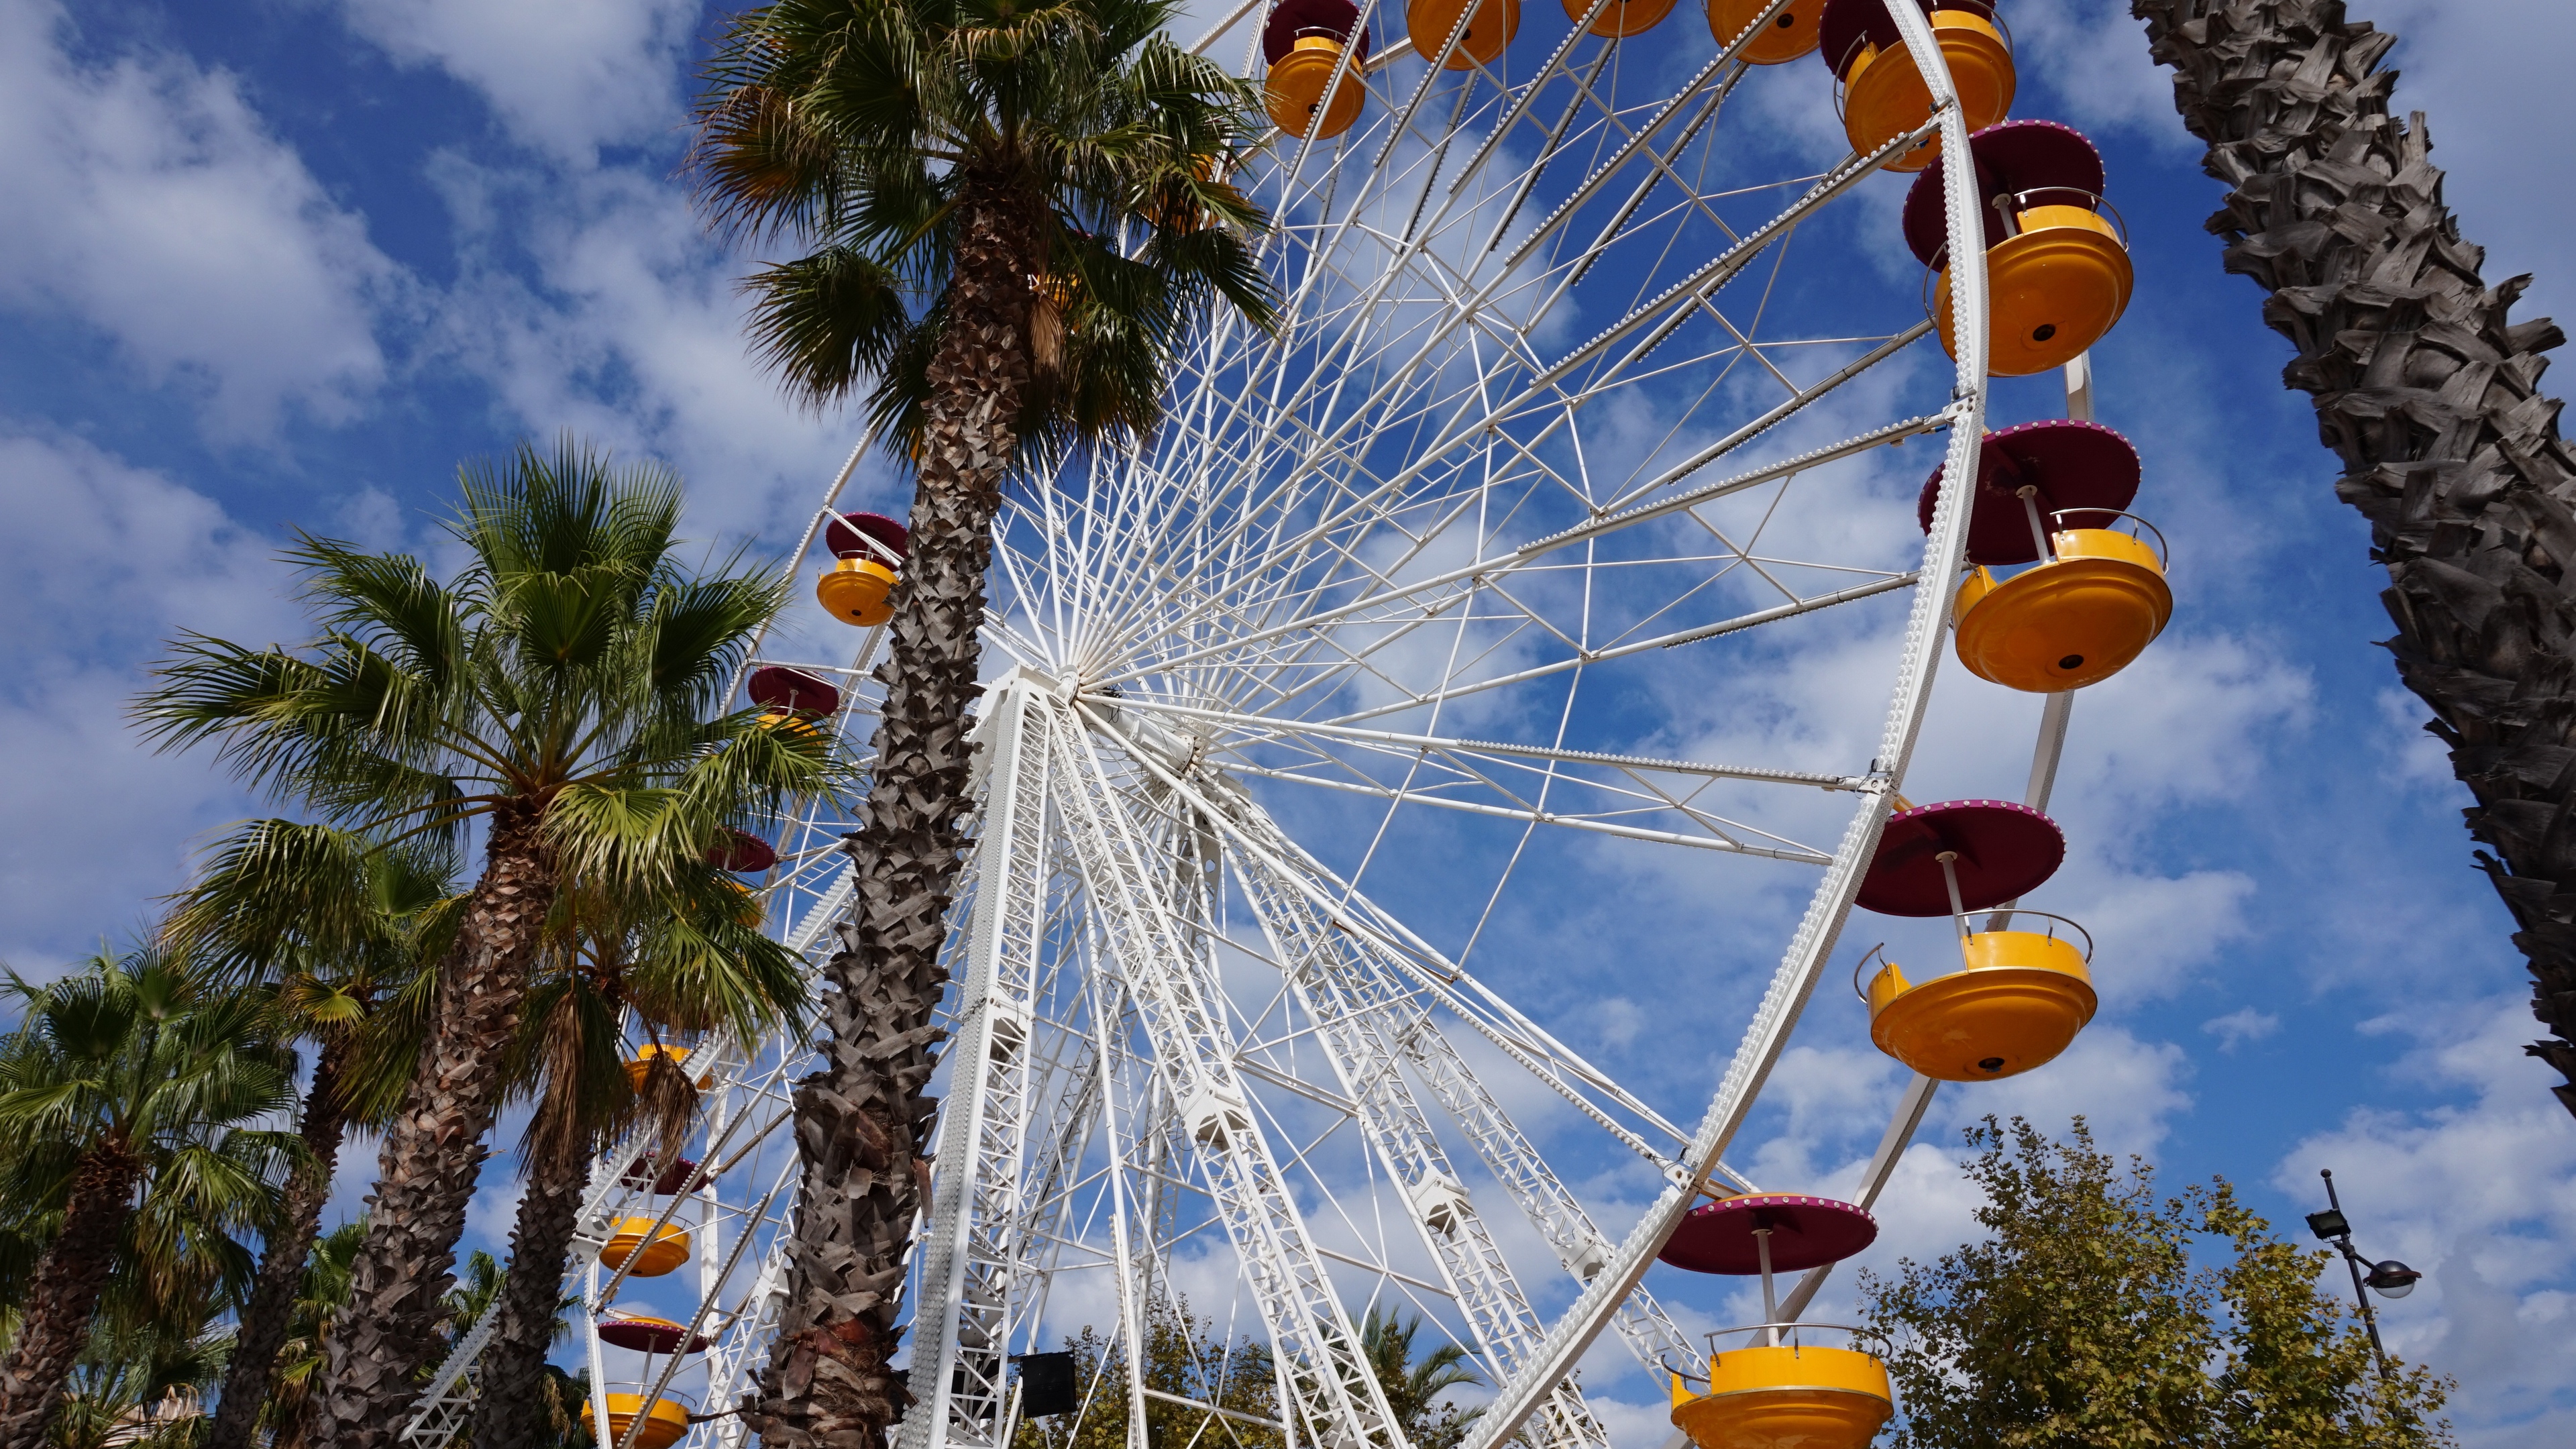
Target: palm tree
x=129, y=1078
x=2430, y=396
x=688, y=964
x=333, y=927
x=953, y=175
x=141, y=1388
x=563, y=693
x=1414, y=1386
x=321, y=1291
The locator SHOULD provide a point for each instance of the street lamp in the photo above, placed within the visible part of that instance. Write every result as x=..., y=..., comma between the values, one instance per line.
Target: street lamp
x=2388, y=1278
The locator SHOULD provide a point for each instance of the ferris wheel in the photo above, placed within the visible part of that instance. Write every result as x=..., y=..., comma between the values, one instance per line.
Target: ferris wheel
x=1584, y=384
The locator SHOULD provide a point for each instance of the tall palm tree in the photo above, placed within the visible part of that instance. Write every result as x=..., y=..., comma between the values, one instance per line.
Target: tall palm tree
x=334, y=927
x=688, y=964
x=2429, y=393
x=954, y=173
x=128, y=1079
x=563, y=693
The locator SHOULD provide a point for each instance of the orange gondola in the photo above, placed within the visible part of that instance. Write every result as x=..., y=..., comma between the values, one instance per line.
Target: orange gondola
x=2058, y=274
x=1621, y=18
x=1786, y=36
x=1305, y=43
x=1882, y=92
x=1780, y=1392
x=666, y=1423
x=1489, y=28
x=2099, y=595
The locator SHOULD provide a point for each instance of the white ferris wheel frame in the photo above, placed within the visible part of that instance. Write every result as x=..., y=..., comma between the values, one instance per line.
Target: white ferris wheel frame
x=1065, y=757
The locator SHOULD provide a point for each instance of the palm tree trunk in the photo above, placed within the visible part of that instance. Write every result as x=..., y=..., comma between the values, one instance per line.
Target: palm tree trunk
x=64, y=1293
x=269, y=1315
x=433, y=1149
x=862, y=1121
x=2430, y=396
x=512, y=1410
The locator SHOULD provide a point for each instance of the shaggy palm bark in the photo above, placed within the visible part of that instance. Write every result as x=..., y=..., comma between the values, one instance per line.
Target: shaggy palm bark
x=269, y=1315
x=2430, y=395
x=64, y=1293
x=862, y=1121
x=433, y=1150
x=512, y=1411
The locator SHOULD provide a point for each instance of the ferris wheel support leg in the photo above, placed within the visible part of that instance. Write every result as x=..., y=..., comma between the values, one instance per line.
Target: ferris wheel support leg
x=962, y=1323
x=1365, y=1060
x=1180, y=1006
x=1506, y=1152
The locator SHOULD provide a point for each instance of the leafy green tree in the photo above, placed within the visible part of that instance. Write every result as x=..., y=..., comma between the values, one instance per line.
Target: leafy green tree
x=127, y=1096
x=953, y=173
x=334, y=926
x=1184, y=1357
x=2299, y=1373
x=1414, y=1386
x=2081, y=1322
x=564, y=693
x=690, y=964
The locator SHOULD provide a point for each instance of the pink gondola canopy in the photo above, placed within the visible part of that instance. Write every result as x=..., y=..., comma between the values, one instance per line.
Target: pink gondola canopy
x=1806, y=1232
x=2001, y=849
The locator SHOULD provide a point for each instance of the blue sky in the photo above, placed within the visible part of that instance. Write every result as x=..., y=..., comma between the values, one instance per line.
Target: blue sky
x=284, y=262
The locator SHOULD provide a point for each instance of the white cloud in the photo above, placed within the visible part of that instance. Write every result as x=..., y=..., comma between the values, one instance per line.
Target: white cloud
x=2245, y=1024
x=106, y=560
x=148, y=200
x=2481, y=1195
x=566, y=77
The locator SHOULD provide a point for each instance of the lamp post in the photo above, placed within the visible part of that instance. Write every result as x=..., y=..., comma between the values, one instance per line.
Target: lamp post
x=2389, y=1279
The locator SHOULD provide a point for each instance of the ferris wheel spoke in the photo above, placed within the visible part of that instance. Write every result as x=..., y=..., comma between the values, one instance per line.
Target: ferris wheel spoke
x=1527, y=553
x=1358, y=976
x=1329, y=1377
x=1264, y=728
x=1500, y=1319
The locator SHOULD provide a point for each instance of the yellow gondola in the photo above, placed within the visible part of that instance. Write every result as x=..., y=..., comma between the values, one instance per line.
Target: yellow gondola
x=1304, y=41
x=2053, y=288
x=1621, y=18
x=2018, y=1000
x=665, y=1424
x=1790, y=34
x=2078, y=618
x=857, y=591
x=1786, y=1398
x=654, y=1252
x=1488, y=30
x=2058, y=274
x=1882, y=93
x=1779, y=1392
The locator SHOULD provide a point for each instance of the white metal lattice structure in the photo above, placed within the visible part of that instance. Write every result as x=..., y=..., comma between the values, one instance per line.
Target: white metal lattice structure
x=1583, y=385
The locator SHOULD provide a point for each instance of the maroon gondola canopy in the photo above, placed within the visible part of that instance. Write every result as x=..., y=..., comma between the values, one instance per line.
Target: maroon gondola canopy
x=2070, y=464
x=1292, y=18
x=2042, y=162
x=2003, y=850
x=1806, y=1232
x=775, y=686
x=651, y=1335
x=841, y=536
x=665, y=1181
x=741, y=852
x=1845, y=24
